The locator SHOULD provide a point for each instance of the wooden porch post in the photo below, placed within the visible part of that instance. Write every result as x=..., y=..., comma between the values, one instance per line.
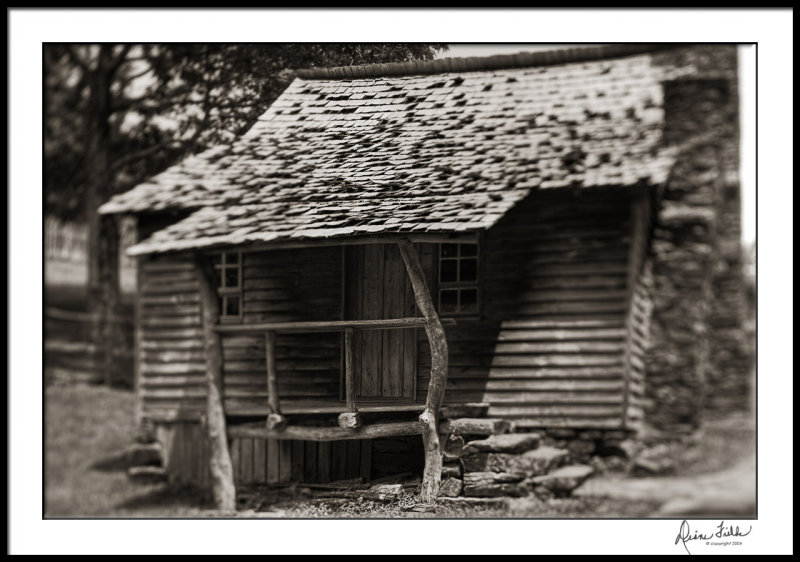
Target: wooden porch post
x=219, y=459
x=430, y=416
x=351, y=418
x=274, y=420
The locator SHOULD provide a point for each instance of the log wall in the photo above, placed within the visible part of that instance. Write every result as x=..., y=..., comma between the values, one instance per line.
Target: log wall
x=279, y=286
x=171, y=363
x=549, y=347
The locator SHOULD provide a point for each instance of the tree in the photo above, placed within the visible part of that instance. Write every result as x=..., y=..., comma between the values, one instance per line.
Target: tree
x=117, y=114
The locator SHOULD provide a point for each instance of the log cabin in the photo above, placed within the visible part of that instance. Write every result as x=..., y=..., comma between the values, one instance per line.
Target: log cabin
x=532, y=238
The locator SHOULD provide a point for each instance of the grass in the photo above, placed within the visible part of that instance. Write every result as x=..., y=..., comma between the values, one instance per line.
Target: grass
x=87, y=428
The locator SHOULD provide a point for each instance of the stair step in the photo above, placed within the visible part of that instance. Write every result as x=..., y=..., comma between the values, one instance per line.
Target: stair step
x=145, y=454
x=147, y=474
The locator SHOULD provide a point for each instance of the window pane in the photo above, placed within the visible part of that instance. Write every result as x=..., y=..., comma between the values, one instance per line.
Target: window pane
x=216, y=259
x=448, y=272
x=448, y=301
x=469, y=269
x=449, y=250
x=469, y=250
x=231, y=276
x=232, y=306
x=217, y=277
x=222, y=305
x=469, y=300
x=231, y=257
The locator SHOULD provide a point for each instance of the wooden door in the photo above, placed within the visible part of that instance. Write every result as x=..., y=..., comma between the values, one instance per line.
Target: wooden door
x=377, y=287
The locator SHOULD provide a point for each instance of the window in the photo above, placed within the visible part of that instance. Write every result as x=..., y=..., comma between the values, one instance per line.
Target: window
x=228, y=269
x=458, y=279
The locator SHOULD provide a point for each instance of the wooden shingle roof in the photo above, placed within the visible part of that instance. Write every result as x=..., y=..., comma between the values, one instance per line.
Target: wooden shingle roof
x=441, y=152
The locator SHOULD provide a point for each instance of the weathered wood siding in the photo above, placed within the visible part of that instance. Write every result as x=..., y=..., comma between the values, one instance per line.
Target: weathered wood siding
x=637, y=322
x=260, y=461
x=171, y=362
x=549, y=348
x=282, y=286
x=270, y=461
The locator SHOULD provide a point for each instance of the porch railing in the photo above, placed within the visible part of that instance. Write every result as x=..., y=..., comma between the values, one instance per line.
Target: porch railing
x=349, y=418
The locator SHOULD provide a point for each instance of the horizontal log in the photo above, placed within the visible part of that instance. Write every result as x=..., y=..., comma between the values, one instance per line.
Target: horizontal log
x=171, y=345
x=172, y=393
x=536, y=410
x=154, y=311
x=53, y=313
x=177, y=322
x=320, y=306
x=172, y=356
x=557, y=347
x=324, y=326
x=475, y=426
x=577, y=232
x=564, y=295
x=256, y=379
x=182, y=298
x=576, y=307
x=173, y=289
x=331, y=406
x=282, y=365
x=566, y=360
x=159, y=334
x=610, y=422
x=548, y=385
x=616, y=322
x=567, y=269
x=324, y=340
x=301, y=389
x=606, y=334
x=160, y=413
x=169, y=278
x=171, y=265
x=372, y=431
x=532, y=373
x=538, y=398
x=148, y=380
x=172, y=368
x=300, y=351
x=479, y=350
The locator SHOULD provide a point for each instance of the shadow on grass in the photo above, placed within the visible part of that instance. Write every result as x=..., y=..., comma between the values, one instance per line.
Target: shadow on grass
x=118, y=462
x=170, y=497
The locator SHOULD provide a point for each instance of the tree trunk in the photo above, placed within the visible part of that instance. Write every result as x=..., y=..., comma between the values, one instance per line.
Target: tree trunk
x=103, y=243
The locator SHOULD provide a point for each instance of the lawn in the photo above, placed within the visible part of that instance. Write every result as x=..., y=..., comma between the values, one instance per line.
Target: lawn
x=86, y=428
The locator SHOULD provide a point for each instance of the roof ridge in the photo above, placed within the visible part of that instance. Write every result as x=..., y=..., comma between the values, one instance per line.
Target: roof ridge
x=493, y=62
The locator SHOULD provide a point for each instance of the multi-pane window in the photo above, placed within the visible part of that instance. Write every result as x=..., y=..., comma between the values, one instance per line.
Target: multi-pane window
x=228, y=269
x=458, y=278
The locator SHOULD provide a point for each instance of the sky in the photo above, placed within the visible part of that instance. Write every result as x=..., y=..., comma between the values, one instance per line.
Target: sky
x=746, y=111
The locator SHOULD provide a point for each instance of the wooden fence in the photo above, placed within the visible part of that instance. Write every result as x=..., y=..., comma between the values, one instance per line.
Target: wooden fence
x=66, y=252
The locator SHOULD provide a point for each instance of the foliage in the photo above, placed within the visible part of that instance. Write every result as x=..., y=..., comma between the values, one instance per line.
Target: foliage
x=116, y=114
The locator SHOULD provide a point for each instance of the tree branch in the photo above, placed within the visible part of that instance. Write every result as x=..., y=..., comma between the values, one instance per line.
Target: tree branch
x=75, y=57
x=131, y=156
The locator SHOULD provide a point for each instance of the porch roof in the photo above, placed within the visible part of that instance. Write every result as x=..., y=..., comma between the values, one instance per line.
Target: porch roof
x=437, y=152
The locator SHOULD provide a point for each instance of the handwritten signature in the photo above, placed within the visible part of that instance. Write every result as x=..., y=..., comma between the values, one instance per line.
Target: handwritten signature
x=686, y=535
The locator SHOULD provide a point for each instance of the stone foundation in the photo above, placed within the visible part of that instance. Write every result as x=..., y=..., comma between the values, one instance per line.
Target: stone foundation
x=515, y=463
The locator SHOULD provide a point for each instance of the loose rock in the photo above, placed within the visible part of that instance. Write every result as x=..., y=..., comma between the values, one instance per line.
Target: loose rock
x=564, y=480
x=451, y=487
x=509, y=443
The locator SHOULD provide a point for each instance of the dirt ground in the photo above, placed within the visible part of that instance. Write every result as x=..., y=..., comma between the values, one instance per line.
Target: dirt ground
x=88, y=426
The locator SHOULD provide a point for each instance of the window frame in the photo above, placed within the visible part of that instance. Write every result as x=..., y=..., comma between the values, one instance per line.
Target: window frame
x=223, y=291
x=459, y=285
